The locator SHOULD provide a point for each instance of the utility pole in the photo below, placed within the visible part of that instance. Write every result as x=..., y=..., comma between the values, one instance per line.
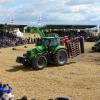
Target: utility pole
x=98, y=29
x=12, y=22
x=4, y=33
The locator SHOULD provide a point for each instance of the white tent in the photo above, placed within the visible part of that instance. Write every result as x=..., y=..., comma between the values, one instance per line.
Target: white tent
x=18, y=33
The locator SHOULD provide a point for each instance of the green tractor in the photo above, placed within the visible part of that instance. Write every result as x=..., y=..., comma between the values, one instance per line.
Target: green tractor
x=47, y=51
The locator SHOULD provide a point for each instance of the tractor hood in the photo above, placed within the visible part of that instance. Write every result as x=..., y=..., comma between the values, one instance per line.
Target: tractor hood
x=39, y=49
x=32, y=53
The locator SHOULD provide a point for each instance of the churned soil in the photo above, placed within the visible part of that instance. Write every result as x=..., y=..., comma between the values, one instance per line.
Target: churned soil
x=79, y=78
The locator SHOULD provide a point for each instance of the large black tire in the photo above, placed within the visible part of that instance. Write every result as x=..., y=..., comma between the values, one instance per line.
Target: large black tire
x=60, y=57
x=40, y=62
x=27, y=63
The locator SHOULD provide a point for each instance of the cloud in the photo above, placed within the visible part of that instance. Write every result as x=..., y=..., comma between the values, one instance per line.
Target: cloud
x=6, y=1
x=81, y=2
x=51, y=11
x=96, y=18
x=64, y=18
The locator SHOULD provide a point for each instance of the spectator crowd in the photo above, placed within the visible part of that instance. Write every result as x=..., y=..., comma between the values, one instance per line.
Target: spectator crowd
x=9, y=39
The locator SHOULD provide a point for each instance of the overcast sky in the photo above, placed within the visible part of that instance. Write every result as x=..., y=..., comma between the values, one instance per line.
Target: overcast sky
x=33, y=12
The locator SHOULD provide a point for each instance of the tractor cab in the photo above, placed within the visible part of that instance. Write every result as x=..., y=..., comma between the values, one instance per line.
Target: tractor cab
x=49, y=41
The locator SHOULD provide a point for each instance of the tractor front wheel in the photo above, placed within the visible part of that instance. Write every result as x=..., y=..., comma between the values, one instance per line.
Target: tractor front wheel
x=60, y=57
x=26, y=62
x=40, y=62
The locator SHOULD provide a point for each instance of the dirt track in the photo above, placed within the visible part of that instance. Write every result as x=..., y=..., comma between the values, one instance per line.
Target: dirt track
x=80, y=78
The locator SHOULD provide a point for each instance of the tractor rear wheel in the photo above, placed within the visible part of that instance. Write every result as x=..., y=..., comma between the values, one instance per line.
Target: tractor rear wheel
x=40, y=62
x=60, y=57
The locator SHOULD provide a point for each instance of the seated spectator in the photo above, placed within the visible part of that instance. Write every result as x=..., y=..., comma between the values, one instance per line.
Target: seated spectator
x=5, y=92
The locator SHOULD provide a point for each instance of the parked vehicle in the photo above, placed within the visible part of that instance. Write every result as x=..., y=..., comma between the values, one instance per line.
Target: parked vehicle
x=96, y=46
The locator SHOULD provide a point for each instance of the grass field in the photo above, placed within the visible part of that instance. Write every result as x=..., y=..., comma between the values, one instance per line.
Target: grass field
x=80, y=78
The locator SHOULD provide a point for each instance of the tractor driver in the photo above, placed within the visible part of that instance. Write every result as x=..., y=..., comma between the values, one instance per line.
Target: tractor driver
x=46, y=44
